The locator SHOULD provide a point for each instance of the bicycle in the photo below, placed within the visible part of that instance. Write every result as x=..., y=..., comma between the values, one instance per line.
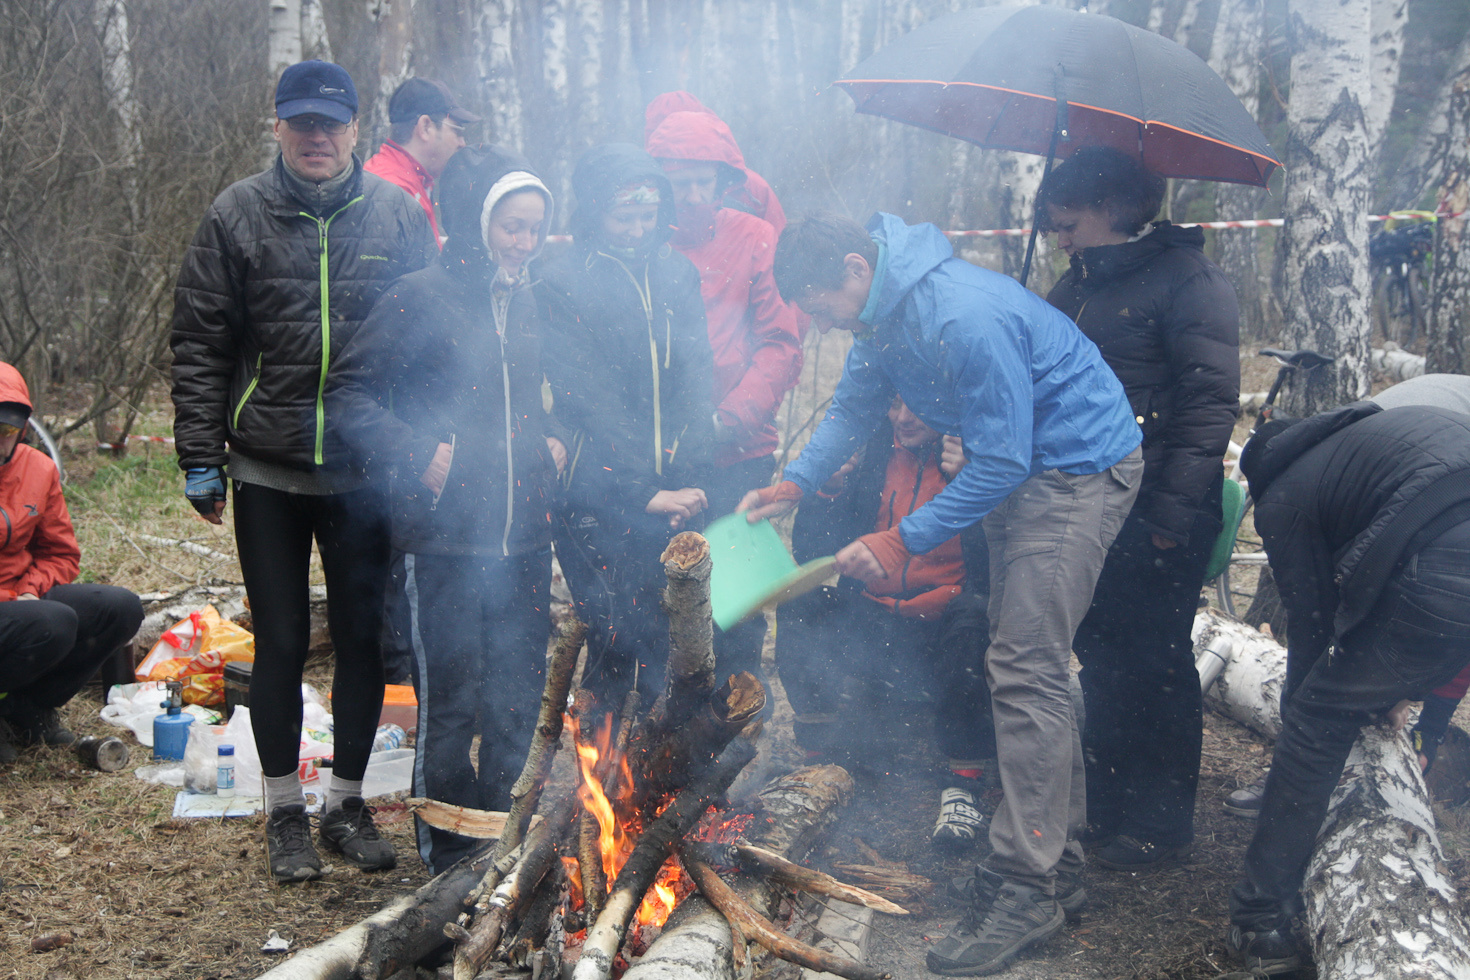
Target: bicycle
x=1237, y=560
x=1397, y=258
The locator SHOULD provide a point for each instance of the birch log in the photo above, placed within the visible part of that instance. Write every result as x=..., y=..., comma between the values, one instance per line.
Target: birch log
x=1248, y=689
x=1378, y=903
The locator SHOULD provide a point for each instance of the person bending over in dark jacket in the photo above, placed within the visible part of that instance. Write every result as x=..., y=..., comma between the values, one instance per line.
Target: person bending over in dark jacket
x=454, y=350
x=931, y=616
x=281, y=273
x=630, y=371
x=53, y=634
x=1165, y=319
x=1365, y=516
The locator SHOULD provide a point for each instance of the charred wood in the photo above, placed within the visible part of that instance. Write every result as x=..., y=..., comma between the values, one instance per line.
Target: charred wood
x=788, y=873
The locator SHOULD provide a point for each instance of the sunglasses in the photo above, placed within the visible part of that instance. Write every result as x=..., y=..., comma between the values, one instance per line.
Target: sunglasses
x=7, y=430
x=305, y=124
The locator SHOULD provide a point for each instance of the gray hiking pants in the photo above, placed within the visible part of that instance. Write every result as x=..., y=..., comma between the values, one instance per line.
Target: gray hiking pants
x=1047, y=545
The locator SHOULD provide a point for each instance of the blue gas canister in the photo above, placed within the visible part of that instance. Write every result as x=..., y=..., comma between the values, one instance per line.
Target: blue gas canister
x=171, y=729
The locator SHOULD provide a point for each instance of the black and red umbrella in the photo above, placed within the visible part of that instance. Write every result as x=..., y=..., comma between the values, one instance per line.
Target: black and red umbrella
x=1047, y=80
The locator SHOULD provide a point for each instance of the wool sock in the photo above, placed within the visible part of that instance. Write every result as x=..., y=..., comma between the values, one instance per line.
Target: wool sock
x=968, y=773
x=338, y=790
x=283, y=791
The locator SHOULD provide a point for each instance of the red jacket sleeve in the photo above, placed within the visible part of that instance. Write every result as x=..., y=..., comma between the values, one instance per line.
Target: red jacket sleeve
x=55, y=557
x=775, y=361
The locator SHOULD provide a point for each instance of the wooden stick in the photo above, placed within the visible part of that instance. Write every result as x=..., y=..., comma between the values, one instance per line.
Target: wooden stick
x=589, y=861
x=760, y=929
x=606, y=935
x=788, y=873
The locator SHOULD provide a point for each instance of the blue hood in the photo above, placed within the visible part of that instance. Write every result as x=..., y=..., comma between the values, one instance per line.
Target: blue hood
x=906, y=254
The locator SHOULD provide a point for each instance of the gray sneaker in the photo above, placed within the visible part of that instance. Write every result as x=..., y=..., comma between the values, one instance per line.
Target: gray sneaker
x=961, y=821
x=1070, y=893
x=1007, y=919
x=288, y=845
x=349, y=830
x=1247, y=802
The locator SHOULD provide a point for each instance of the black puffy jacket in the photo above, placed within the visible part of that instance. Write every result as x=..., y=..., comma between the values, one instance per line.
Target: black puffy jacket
x=627, y=351
x=1166, y=320
x=1343, y=498
x=434, y=351
x=268, y=294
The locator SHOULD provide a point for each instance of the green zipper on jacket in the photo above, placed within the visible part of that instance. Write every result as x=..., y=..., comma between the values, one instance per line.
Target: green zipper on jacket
x=326, y=308
x=249, y=390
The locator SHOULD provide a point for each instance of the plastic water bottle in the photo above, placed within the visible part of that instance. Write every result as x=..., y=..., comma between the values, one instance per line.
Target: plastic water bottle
x=388, y=737
x=225, y=774
x=171, y=729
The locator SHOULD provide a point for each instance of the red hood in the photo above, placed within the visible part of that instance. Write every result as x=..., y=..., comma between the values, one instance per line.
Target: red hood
x=13, y=386
x=666, y=105
x=695, y=136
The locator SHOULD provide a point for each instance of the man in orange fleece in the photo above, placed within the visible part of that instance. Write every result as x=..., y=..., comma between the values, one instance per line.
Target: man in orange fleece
x=922, y=631
x=53, y=635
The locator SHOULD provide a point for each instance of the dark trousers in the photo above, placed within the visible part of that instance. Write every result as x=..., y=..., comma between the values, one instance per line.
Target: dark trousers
x=51, y=646
x=1416, y=638
x=616, y=580
x=738, y=648
x=479, y=627
x=1145, y=716
x=397, y=643
x=274, y=531
x=834, y=632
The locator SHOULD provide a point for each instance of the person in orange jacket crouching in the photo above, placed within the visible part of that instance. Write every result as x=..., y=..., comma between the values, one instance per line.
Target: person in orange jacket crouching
x=53, y=635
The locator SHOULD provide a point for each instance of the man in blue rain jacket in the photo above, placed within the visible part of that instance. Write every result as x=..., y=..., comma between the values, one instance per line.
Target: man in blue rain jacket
x=1054, y=469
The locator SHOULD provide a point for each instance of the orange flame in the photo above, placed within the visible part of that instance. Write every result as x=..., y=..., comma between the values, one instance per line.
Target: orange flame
x=661, y=899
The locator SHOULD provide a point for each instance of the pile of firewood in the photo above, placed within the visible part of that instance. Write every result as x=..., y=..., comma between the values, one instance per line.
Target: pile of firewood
x=580, y=881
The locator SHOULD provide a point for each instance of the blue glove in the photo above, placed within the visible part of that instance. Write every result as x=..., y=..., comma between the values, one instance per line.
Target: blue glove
x=205, y=486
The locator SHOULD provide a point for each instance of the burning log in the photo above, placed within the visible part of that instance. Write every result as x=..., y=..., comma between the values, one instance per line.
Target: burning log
x=607, y=933
x=691, y=669
x=797, y=811
x=1376, y=901
x=753, y=925
x=787, y=873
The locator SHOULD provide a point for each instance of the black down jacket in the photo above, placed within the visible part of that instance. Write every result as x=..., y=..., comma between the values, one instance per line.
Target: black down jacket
x=628, y=354
x=1343, y=498
x=431, y=348
x=1166, y=320
x=269, y=292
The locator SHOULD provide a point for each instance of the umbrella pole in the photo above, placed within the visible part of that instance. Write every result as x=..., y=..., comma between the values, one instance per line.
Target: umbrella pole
x=1058, y=130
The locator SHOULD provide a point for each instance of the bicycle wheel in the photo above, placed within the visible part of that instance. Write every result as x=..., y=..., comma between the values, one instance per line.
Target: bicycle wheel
x=1245, y=562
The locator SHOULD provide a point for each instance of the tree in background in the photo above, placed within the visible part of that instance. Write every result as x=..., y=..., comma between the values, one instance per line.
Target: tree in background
x=1449, y=283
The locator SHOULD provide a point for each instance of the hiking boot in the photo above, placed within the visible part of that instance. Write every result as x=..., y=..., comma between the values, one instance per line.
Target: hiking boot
x=1008, y=918
x=1070, y=894
x=1247, y=802
x=34, y=725
x=1131, y=854
x=350, y=831
x=1265, y=953
x=960, y=821
x=288, y=845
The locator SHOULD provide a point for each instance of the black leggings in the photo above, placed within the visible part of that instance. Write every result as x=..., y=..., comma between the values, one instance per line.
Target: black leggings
x=274, y=530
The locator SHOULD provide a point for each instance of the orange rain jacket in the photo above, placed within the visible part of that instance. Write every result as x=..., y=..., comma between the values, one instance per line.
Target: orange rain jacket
x=38, y=548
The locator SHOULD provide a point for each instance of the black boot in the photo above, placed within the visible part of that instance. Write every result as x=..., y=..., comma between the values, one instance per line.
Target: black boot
x=35, y=725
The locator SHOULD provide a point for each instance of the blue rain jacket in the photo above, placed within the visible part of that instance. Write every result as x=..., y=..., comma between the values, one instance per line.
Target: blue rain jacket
x=974, y=354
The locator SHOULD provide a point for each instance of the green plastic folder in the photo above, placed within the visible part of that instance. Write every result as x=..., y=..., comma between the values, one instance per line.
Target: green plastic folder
x=751, y=569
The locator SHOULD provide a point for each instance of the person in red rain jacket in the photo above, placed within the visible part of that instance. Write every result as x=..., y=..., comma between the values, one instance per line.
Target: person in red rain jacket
x=923, y=628
x=53, y=635
x=756, y=338
x=754, y=194
x=426, y=128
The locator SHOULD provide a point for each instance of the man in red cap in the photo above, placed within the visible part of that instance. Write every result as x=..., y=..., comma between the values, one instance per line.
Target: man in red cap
x=426, y=127
x=755, y=336
x=53, y=634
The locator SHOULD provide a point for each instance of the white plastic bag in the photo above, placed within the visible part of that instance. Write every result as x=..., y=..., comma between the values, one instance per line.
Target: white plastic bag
x=247, y=761
x=201, y=760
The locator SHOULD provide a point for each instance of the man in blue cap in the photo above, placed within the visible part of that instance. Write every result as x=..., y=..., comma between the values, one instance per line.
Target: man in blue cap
x=280, y=275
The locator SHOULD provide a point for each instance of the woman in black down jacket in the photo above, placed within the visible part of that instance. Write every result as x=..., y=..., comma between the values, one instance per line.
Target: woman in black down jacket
x=1166, y=321
x=630, y=368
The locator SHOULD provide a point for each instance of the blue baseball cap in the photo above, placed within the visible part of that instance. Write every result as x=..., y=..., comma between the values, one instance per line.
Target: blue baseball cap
x=318, y=87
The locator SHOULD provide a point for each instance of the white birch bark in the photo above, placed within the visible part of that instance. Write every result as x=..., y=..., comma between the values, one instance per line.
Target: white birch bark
x=1388, y=18
x=588, y=19
x=395, y=54
x=495, y=44
x=1377, y=902
x=284, y=32
x=1427, y=163
x=1325, y=262
x=1449, y=283
x=1235, y=55
x=111, y=17
x=314, y=43
x=553, y=15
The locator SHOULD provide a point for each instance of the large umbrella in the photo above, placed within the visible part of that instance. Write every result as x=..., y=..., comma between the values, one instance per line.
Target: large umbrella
x=1048, y=80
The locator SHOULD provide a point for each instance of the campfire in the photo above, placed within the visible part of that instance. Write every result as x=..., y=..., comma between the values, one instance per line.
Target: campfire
x=584, y=882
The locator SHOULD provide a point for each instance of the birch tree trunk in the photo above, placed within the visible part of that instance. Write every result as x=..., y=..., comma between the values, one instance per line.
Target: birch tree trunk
x=1449, y=283
x=495, y=44
x=395, y=54
x=1235, y=55
x=1428, y=162
x=283, y=30
x=314, y=43
x=1387, y=43
x=1325, y=257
